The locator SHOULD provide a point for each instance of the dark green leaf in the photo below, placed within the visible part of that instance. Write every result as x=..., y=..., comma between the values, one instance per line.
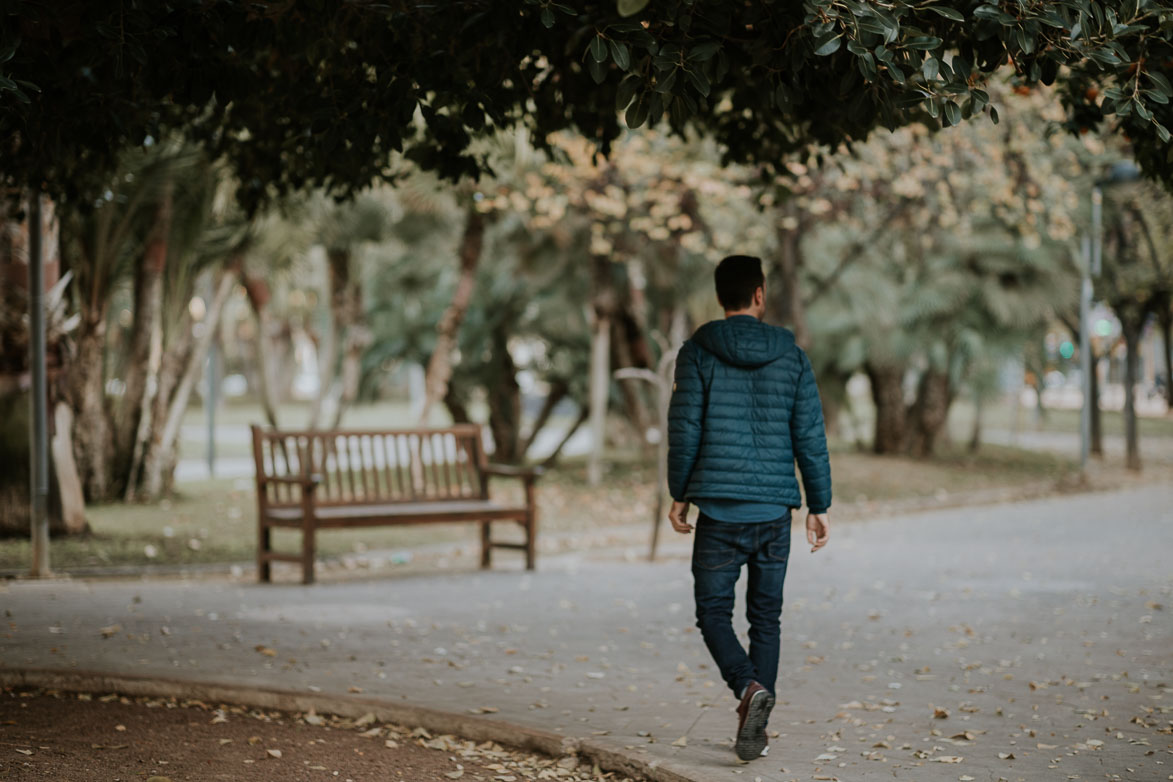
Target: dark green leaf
x=631, y=7
x=620, y=54
x=947, y=12
x=547, y=17
x=637, y=113
x=931, y=68
x=704, y=51
x=952, y=112
x=626, y=91
x=828, y=46
x=599, y=49
x=598, y=72
x=700, y=81
x=923, y=42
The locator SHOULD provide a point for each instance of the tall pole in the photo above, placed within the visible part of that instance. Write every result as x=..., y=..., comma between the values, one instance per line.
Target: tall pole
x=38, y=430
x=1085, y=355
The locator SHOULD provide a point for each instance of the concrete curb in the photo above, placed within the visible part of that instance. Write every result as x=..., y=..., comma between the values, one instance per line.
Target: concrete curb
x=509, y=734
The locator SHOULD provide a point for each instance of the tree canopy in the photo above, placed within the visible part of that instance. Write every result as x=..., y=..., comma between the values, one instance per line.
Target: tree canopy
x=324, y=94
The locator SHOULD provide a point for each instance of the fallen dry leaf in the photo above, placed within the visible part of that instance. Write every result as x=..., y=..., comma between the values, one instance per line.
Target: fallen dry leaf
x=266, y=650
x=273, y=753
x=947, y=759
x=681, y=742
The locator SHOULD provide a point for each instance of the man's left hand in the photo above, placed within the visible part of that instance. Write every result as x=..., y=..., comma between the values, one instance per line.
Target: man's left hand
x=678, y=515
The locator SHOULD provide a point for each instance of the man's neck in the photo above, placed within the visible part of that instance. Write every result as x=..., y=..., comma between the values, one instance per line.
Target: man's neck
x=750, y=311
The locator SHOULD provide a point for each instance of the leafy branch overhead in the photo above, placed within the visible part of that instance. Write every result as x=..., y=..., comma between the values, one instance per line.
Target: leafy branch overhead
x=330, y=95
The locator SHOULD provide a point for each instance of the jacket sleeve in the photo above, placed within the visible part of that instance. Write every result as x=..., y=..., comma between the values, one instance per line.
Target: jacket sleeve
x=809, y=437
x=686, y=414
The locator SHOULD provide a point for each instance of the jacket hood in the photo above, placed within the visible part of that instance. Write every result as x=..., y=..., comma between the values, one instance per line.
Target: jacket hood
x=744, y=341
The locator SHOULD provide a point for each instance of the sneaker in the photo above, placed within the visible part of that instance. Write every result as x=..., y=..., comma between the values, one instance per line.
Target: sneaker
x=753, y=714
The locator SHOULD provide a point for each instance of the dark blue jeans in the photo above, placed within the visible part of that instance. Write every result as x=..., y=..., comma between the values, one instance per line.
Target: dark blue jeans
x=718, y=554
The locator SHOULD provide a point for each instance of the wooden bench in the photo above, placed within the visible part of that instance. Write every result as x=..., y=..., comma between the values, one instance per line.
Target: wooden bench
x=312, y=480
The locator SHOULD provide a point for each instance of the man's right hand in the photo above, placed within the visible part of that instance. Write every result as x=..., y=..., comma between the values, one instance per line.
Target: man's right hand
x=818, y=530
x=678, y=515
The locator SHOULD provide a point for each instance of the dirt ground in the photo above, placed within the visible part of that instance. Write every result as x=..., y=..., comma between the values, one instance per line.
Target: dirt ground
x=90, y=738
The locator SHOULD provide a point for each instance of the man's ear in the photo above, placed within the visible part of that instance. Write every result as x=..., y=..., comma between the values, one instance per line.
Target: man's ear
x=759, y=295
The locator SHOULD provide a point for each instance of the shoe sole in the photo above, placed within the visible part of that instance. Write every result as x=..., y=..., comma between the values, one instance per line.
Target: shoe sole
x=751, y=739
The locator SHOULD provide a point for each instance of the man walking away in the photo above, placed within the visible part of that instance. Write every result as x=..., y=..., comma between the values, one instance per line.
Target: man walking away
x=744, y=408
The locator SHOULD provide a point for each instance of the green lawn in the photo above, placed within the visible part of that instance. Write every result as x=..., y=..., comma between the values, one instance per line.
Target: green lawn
x=215, y=521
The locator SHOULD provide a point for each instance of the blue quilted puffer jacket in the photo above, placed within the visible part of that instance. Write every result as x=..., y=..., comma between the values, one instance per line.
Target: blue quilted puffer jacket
x=744, y=408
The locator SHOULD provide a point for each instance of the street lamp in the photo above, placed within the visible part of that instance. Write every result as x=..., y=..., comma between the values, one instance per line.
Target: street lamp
x=1092, y=266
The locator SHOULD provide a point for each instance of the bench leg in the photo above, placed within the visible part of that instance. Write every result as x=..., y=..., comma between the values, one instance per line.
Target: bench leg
x=307, y=554
x=531, y=526
x=531, y=540
x=264, y=546
x=486, y=546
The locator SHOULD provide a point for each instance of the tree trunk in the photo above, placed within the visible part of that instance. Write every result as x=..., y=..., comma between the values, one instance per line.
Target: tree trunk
x=329, y=394
x=600, y=366
x=929, y=412
x=786, y=289
x=559, y=390
x=888, y=396
x=457, y=407
x=975, y=437
x=160, y=458
x=133, y=426
x=259, y=295
x=69, y=489
x=583, y=415
x=1165, y=319
x=633, y=401
x=504, y=401
x=92, y=436
x=1097, y=438
x=439, y=370
x=146, y=338
x=1131, y=438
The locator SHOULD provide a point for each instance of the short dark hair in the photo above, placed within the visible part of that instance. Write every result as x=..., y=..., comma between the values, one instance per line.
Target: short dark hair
x=737, y=277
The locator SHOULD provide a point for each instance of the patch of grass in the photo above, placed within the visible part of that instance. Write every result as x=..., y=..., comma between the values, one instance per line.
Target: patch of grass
x=220, y=515
x=860, y=477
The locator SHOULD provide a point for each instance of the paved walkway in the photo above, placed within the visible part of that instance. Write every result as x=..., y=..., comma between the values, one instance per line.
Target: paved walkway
x=1023, y=642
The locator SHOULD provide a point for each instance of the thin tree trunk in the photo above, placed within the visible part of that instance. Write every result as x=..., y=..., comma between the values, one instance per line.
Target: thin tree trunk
x=504, y=401
x=1165, y=319
x=583, y=415
x=787, y=287
x=457, y=408
x=328, y=399
x=559, y=390
x=888, y=395
x=439, y=370
x=146, y=345
x=160, y=460
x=1131, y=438
x=621, y=358
x=69, y=490
x=258, y=298
x=600, y=366
x=975, y=438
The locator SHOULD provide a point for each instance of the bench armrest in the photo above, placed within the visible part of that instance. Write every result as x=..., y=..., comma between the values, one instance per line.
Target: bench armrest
x=514, y=471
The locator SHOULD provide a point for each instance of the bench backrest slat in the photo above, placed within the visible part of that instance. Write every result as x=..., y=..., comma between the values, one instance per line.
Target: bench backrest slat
x=356, y=467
